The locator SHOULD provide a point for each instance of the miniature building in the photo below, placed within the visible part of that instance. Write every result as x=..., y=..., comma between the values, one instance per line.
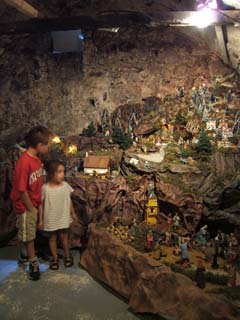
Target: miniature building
x=211, y=125
x=151, y=211
x=151, y=207
x=97, y=165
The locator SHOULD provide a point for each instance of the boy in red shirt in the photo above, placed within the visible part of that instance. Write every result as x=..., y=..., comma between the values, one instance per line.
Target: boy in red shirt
x=26, y=192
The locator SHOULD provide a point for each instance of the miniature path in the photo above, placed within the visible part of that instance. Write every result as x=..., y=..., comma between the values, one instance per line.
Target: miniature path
x=64, y=294
x=157, y=157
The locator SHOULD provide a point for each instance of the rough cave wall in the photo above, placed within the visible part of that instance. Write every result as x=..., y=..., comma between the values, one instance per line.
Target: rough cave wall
x=67, y=91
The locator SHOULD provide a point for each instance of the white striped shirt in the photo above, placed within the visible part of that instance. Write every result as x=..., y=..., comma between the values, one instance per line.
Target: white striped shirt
x=56, y=206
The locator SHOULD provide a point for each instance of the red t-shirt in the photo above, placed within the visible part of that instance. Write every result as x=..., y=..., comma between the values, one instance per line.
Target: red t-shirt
x=27, y=177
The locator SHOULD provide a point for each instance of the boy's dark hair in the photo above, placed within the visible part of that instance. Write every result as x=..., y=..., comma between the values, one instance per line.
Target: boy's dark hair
x=51, y=167
x=38, y=134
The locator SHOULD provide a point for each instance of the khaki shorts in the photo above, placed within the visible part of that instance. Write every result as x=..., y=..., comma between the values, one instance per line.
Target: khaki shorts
x=27, y=225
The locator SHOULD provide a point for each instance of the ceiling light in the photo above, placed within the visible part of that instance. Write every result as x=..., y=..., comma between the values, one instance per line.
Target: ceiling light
x=202, y=18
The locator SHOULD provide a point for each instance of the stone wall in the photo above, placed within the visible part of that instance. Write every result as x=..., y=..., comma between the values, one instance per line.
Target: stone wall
x=66, y=92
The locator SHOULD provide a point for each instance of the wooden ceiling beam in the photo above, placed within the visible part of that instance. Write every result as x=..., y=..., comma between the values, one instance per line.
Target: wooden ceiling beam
x=24, y=7
x=112, y=20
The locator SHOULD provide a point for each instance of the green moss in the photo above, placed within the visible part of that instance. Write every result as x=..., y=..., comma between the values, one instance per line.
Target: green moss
x=185, y=153
x=176, y=181
x=230, y=293
x=211, y=277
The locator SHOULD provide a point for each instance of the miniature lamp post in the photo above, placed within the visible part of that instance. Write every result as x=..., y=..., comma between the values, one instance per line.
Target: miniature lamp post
x=57, y=144
x=71, y=149
x=56, y=140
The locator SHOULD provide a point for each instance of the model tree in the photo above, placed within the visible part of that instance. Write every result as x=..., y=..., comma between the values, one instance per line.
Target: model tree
x=204, y=144
x=89, y=131
x=121, y=138
x=180, y=119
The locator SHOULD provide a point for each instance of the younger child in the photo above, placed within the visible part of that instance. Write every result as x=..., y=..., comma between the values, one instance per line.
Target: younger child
x=57, y=212
x=26, y=194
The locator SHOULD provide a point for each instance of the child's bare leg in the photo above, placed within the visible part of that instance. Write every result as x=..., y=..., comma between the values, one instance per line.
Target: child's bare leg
x=53, y=245
x=64, y=240
x=30, y=249
x=22, y=248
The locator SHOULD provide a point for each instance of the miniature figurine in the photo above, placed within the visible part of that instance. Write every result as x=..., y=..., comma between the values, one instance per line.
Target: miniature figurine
x=200, y=91
x=212, y=99
x=194, y=95
x=181, y=92
x=149, y=240
x=146, y=165
x=200, y=275
x=176, y=251
x=227, y=110
x=209, y=252
x=233, y=241
x=219, y=134
x=229, y=96
x=168, y=236
x=215, y=257
x=184, y=254
x=117, y=222
x=180, y=141
x=169, y=219
x=200, y=108
x=176, y=221
x=157, y=253
x=201, y=236
x=205, y=117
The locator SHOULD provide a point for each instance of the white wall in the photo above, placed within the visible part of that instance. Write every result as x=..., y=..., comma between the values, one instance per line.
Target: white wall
x=98, y=171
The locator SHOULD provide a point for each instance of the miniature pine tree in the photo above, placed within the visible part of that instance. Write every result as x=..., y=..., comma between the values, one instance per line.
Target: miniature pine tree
x=204, y=144
x=123, y=139
x=117, y=135
x=127, y=141
x=89, y=131
x=180, y=119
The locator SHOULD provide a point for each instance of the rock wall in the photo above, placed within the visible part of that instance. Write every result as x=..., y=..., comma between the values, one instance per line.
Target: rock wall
x=66, y=92
x=209, y=189
x=149, y=286
x=7, y=216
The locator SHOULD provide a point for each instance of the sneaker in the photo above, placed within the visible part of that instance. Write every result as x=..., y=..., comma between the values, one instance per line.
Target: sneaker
x=34, y=273
x=22, y=258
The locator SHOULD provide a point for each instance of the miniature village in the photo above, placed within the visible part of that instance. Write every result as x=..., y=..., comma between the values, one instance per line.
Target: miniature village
x=204, y=120
x=136, y=142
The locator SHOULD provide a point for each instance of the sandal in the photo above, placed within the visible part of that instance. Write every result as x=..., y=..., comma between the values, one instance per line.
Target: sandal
x=54, y=264
x=68, y=262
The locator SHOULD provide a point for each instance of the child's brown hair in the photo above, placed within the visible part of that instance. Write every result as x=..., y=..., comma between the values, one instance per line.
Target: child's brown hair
x=38, y=134
x=51, y=168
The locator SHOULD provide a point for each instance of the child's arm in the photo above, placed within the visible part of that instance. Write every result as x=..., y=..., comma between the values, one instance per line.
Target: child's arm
x=73, y=213
x=26, y=200
x=40, y=217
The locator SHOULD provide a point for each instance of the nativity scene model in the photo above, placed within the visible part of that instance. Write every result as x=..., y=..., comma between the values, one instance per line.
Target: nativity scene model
x=154, y=175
